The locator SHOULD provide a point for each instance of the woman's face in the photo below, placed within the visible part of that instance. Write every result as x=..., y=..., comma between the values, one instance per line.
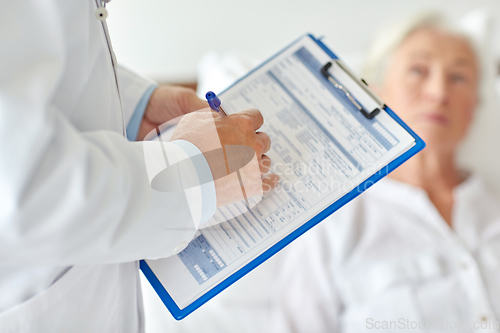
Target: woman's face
x=432, y=84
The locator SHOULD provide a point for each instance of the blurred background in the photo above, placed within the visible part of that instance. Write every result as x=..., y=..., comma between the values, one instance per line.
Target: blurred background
x=209, y=44
x=165, y=39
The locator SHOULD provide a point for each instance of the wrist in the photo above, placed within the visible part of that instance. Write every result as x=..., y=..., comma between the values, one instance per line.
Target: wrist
x=152, y=103
x=136, y=121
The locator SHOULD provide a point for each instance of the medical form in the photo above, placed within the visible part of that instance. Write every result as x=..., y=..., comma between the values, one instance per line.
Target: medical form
x=322, y=148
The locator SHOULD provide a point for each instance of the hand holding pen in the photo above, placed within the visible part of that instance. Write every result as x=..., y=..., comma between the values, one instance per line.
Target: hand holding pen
x=233, y=148
x=245, y=125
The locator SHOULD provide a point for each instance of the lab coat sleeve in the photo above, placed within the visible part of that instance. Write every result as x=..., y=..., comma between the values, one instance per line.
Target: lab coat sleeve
x=135, y=121
x=305, y=297
x=69, y=197
x=132, y=89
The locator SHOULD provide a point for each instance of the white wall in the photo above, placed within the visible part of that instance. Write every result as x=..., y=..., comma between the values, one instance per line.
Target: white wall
x=165, y=38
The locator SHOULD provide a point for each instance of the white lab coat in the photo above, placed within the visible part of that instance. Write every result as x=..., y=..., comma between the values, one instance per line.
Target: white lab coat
x=76, y=207
x=389, y=256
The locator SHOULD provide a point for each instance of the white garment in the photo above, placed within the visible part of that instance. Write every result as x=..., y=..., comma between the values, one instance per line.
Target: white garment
x=76, y=206
x=389, y=256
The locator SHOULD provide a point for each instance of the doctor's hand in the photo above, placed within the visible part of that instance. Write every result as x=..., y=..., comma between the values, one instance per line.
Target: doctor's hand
x=167, y=103
x=235, y=152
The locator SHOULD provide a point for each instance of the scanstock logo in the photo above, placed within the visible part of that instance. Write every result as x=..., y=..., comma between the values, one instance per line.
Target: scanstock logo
x=180, y=169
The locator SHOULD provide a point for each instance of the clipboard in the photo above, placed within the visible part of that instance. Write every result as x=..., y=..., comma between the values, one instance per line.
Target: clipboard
x=348, y=89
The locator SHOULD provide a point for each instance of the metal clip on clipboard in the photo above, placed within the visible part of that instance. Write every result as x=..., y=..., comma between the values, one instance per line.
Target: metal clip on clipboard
x=357, y=91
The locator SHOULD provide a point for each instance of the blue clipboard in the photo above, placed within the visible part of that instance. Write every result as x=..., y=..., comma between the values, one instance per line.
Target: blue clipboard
x=179, y=313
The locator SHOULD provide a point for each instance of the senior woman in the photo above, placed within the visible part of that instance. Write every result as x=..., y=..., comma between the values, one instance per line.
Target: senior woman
x=421, y=249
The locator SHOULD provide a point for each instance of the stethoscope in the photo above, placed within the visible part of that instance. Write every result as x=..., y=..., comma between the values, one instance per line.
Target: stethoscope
x=101, y=13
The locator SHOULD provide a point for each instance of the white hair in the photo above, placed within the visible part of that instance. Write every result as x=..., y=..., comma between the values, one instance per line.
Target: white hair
x=386, y=43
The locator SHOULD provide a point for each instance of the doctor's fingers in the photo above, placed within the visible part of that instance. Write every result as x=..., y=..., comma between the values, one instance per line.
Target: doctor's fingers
x=269, y=182
x=187, y=100
x=248, y=120
x=264, y=164
x=262, y=143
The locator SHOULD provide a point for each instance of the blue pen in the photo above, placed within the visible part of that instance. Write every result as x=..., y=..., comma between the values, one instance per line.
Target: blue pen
x=215, y=103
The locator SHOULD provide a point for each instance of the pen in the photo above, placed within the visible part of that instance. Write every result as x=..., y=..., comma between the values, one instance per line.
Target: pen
x=215, y=103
